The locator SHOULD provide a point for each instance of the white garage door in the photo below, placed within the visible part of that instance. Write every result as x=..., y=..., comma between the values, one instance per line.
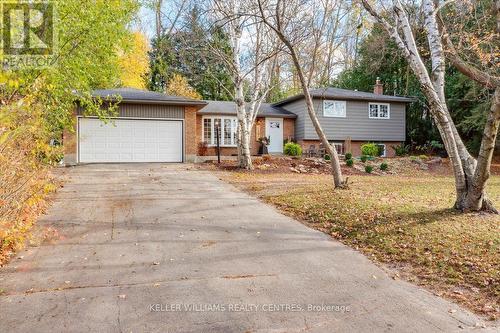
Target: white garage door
x=127, y=140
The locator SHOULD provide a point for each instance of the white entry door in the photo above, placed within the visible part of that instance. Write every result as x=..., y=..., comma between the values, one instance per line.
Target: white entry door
x=274, y=130
x=129, y=140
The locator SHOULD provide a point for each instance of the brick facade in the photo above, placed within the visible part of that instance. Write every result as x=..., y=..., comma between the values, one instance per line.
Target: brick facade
x=258, y=131
x=389, y=152
x=288, y=129
x=355, y=146
x=191, y=133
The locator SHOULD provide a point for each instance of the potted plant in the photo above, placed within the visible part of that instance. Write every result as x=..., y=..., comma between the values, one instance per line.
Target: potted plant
x=264, y=143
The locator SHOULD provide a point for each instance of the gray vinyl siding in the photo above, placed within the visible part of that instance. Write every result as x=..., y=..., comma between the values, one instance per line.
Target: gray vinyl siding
x=299, y=108
x=148, y=111
x=357, y=125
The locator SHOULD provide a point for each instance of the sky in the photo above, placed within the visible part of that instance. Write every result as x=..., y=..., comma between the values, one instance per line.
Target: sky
x=145, y=22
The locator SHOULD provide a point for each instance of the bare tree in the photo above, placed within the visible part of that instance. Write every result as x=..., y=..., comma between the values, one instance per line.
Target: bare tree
x=158, y=18
x=252, y=48
x=470, y=174
x=166, y=18
x=296, y=22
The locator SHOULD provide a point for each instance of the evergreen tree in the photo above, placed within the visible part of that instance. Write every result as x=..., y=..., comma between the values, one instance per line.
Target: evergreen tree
x=468, y=101
x=185, y=52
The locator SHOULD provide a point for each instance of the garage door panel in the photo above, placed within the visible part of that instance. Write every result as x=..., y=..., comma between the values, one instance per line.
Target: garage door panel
x=127, y=140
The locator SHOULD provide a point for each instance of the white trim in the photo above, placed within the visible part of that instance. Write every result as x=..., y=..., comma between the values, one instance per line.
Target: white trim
x=378, y=110
x=183, y=140
x=210, y=144
x=385, y=149
x=333, y=116
x=282, y=124
x=77, y=157
x=133, y=118
x=341, y=144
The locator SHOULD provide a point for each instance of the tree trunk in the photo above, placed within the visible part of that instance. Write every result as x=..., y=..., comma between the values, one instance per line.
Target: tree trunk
x=476, y=198
x=470, y=175
x=159, y=28
x=244, y=155
x=338, y=180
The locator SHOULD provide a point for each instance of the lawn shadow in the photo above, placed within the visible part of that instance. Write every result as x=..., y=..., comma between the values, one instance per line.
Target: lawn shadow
x=427, y=217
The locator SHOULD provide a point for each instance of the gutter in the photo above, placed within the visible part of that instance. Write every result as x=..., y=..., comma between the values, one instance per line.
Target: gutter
x=344, y=98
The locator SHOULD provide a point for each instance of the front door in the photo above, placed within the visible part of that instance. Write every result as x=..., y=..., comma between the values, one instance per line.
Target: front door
x=274, y=130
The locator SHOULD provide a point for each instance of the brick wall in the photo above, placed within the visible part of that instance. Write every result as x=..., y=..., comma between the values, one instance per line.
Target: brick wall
x=288, y=129
x=355, y=146
x=389, y=152
x=258, y=131
x=192, y=131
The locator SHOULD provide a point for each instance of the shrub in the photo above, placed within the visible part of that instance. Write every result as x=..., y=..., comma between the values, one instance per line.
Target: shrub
x=327, y=157
x=436, y=145
x=401, y=150
x=370, y=149
x=293, y=149
x=364, y=158
x=368, y=169
x=384, y=166
x=348, y=156
x=430, y=147
x=349, y=162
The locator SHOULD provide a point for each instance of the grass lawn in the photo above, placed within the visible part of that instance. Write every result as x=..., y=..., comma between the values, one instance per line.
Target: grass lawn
x=404, y=222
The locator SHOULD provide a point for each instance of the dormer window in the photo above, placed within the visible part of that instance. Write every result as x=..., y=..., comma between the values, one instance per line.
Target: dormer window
x=379, y=110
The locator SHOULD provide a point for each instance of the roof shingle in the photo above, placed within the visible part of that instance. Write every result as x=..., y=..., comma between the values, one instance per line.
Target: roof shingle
x=144, y=96
x=229, y=108
x=337, y=93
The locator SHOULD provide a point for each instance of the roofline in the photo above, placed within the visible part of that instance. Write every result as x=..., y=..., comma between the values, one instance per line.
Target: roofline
x=400, y=99
x=152, y=101
x=203, y=113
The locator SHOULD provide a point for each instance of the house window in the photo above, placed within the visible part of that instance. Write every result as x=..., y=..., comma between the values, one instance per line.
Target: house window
x=334, y=109
x=379, y=110
x=274, y=124
x=207, y=130
x=339, y=146
x=225, y=126
x=381, y=151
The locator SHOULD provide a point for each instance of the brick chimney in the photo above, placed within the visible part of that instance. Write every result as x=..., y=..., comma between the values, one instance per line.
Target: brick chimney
x=378, y=88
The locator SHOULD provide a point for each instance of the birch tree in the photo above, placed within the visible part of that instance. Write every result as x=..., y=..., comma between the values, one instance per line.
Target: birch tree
x=470, y=174
x=296, y=22
x=476, y=56
x=252, y=48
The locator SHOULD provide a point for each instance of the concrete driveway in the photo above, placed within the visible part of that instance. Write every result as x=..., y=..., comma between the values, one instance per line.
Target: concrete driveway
x=159, y=248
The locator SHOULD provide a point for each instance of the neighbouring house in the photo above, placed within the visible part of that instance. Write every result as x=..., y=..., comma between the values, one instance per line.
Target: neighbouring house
x=154, y=127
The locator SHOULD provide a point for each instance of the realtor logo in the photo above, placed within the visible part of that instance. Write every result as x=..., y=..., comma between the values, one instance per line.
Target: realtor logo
x=27, y=32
